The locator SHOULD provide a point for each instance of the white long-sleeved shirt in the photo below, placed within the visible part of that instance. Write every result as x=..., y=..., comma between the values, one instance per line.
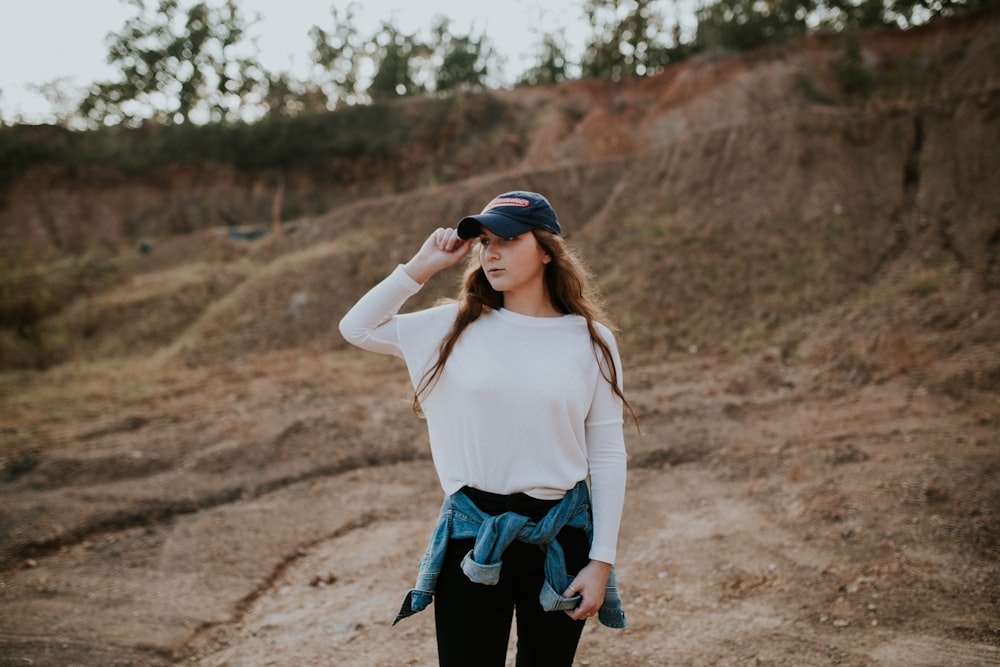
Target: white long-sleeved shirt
x=520, y=407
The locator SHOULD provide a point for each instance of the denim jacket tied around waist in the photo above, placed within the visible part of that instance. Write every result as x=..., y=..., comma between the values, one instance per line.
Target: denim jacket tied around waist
x=460, y=518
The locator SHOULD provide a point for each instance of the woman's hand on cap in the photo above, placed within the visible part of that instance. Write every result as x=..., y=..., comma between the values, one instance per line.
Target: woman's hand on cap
x=442, y=249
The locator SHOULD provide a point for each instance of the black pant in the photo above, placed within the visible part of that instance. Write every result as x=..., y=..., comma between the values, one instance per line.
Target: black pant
x=474, y=620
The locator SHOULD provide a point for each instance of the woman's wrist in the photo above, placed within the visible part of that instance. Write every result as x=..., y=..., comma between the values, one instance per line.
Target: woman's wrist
x=601, y=565
x=419, y=271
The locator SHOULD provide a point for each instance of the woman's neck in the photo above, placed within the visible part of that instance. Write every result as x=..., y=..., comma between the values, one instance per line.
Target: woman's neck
x=532, y=304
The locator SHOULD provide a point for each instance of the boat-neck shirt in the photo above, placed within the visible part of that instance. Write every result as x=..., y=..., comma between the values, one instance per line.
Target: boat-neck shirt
x=521, y=406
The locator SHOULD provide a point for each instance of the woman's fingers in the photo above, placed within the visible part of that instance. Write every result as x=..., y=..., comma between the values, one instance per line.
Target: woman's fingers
x=447, y=239
x=587, y=606
x=590, y=583
x=441, y=249
x=584, y=611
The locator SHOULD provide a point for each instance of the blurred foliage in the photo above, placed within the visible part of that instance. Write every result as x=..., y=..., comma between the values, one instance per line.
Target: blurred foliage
x=627, y=39
x=746, y=24
x=551, y=62
x=197, y=65
x=177, y=63
x=31, y=292
x=839, y=15
x=855, y=78
x=466, y=60
x=396, y=53
x=307, y=139
x=337, y=54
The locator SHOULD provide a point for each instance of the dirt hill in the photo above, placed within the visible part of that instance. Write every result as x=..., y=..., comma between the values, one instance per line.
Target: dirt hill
x=805, y=282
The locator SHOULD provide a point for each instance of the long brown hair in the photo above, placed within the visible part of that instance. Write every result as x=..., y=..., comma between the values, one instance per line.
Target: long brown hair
x=568, y=283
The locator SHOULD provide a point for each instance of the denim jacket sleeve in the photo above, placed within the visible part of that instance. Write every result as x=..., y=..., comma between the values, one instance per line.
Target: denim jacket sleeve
x=461, y=518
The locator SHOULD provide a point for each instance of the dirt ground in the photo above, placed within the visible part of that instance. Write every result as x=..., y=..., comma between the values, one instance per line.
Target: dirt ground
x=775, y=516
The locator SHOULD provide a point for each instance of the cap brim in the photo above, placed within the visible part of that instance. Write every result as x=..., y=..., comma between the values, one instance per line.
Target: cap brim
x=501, y=225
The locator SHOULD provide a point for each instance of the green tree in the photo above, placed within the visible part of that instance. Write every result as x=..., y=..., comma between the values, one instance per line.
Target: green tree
x=906, y=13
x=396, y=55
x=402, y=63
x=626, y=39
x=64, y=100
x=177, y=66
x=837, y=16
x=855, y=78
x=840, y=15
x=746, y=24
x=338, y=55
x=551, y=65
x=286, y=96
x=464, y=59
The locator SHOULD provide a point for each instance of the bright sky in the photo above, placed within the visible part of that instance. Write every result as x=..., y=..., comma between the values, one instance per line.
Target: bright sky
x=45, y=40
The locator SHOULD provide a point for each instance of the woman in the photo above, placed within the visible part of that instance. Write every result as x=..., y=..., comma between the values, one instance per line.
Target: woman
x=520, y=385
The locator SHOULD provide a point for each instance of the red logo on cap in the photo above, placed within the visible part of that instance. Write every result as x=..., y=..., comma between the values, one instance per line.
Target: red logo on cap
x=520, y=202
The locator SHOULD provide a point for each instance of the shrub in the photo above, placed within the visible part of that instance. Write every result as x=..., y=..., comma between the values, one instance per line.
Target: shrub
x=854, y=77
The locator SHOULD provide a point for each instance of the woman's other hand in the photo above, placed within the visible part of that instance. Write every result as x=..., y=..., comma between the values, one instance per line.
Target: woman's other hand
x=590, y=583
x=442, y=249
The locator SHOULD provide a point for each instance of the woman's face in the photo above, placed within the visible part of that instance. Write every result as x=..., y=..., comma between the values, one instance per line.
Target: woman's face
x=512, y=264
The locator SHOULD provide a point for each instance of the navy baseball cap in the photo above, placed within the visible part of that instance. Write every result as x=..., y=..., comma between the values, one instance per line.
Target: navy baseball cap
x=512, y=214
